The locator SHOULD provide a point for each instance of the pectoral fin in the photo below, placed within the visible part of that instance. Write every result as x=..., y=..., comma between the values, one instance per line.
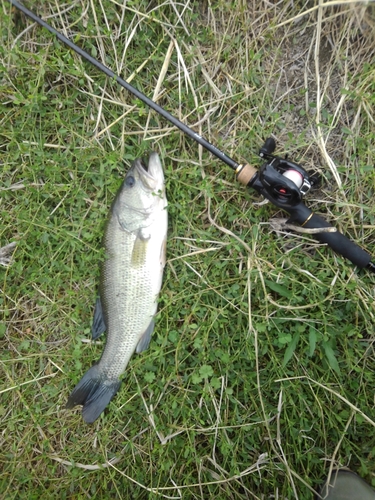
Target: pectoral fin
x=146, y=338
x=163, y=252
x=140, y=250
x=98, y=324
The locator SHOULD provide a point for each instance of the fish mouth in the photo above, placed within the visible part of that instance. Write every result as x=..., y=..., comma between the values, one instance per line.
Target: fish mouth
x=141, y=166
x=150, y=172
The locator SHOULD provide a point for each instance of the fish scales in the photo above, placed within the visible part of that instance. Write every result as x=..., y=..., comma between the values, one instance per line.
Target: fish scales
x=131, y=278
x=129, y=283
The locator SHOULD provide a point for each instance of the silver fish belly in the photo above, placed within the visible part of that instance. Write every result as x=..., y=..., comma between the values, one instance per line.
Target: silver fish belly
x=131, y=278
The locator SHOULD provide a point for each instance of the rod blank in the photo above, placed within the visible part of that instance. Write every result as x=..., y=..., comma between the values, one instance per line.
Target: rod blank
x=177, y=123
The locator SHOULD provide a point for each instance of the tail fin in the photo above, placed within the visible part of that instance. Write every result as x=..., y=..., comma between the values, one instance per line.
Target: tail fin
x=94, y=392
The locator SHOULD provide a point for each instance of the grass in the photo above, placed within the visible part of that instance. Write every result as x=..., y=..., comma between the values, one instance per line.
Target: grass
x=260, y=376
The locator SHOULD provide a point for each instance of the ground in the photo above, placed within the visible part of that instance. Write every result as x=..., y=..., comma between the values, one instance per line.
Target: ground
x=260, y=375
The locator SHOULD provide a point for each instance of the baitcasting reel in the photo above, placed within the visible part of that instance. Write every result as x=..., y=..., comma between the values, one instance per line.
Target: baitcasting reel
x=280, y=180
x=285, y=183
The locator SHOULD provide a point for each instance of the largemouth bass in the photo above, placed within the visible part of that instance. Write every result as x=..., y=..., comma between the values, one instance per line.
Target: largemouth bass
x=131, y=277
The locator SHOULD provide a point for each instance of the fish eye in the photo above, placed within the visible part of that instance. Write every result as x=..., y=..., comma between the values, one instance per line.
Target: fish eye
x=130, y=181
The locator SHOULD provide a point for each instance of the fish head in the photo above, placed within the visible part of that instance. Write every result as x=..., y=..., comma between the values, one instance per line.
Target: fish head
x=141, y=195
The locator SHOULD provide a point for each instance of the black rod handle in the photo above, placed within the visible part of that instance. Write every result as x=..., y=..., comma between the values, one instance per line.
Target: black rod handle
x=336, y=240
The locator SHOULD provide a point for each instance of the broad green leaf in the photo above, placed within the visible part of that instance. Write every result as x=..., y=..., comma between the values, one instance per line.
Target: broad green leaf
x=280, y=289
x=149, y=377
x=196, y=378
x=331, y=358
x=312, y=341
x=215, y=383
x=285, y=339
x=290, y=349
x=206, y=371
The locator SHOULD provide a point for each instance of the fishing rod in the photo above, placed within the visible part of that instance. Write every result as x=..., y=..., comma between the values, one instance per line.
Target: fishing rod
x=283, y=182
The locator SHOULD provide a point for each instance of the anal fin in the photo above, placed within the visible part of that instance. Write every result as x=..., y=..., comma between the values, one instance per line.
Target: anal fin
x=144, y=341
x=98, y=323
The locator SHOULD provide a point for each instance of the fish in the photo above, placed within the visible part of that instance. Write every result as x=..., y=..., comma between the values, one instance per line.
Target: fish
x=131, y=277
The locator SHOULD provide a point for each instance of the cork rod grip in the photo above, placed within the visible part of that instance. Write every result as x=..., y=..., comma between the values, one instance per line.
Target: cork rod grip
x=245, y=174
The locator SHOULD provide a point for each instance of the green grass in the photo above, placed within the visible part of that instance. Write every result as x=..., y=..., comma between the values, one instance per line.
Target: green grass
x=261, y=372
